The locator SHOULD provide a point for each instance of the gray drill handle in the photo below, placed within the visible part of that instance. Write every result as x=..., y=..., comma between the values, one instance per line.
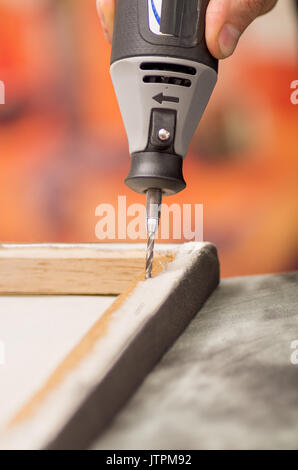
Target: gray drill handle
x=181, y=25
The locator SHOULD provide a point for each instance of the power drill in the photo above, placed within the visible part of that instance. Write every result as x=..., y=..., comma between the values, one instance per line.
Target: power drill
x=163, y=75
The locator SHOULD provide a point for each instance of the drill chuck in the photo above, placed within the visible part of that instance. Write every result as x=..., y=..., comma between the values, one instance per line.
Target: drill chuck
x=156, y=170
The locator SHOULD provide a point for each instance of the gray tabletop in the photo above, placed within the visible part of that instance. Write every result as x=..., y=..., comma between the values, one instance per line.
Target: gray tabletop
x=229, y=382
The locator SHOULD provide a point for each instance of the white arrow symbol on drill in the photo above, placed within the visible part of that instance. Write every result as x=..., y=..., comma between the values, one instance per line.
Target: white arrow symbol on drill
x=161, y=97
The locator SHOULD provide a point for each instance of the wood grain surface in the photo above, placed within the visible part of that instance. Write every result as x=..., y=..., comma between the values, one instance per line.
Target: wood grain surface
x=83, y=348
x=75, y=270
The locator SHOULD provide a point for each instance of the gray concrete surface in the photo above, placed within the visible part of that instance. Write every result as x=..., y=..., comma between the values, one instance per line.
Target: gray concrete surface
x=229, y=382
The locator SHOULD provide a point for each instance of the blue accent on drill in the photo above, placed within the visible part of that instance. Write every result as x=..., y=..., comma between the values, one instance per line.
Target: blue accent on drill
x=157, y=17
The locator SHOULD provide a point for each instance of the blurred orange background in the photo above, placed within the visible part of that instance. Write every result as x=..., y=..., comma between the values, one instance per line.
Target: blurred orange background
x=63, y=148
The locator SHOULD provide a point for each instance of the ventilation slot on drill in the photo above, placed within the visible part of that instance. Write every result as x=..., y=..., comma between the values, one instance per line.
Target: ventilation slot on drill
x=162, y=66
x=167, y=80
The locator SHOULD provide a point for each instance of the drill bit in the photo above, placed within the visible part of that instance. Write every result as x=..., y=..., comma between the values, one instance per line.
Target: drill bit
x=153, y=205
x=149, y=255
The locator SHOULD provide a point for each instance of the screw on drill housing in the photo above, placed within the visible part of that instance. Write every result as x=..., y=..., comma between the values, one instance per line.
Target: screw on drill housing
x=164, y=134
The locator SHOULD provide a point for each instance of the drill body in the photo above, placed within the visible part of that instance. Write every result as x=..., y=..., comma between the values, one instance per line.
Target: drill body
x=163, y=75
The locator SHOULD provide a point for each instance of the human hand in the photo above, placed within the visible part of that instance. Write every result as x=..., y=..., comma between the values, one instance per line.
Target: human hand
x=226, y=20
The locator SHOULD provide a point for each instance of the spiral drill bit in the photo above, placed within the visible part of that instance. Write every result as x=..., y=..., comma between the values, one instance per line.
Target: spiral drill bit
x=154, y=197
x=149, y=255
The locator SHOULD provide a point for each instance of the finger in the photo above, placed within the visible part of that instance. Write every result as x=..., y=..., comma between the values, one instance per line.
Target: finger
x=106, y=11
x=227, y=19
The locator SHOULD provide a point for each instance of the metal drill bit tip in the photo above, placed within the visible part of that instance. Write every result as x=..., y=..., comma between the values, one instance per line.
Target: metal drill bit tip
x=154, y=197
x=149, y=255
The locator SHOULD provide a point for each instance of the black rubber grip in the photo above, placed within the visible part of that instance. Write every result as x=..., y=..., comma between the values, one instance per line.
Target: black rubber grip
x=133, y=37
x=155, y=170
x=170, y=21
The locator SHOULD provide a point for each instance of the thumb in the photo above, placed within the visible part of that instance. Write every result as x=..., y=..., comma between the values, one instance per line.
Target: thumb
x=227, y=19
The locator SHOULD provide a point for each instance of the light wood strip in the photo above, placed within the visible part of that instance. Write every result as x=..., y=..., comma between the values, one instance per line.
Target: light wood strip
x=70, y=270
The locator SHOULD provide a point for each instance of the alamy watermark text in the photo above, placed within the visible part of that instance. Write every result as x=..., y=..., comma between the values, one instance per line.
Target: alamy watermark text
x=178, y=222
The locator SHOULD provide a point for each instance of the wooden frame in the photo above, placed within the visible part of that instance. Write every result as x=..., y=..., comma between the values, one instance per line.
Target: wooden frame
x=105, y=368
x=86, y=269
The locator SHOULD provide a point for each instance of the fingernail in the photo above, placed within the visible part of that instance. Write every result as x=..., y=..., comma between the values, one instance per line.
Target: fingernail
x=103, y=24
x=101, y=9
x=228, y=39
